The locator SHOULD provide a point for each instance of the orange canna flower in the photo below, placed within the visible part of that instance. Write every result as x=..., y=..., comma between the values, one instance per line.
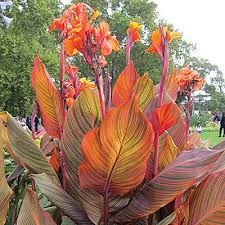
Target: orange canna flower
x=133, y=31
x=157, y=39
x=190, y=79
x=106, y=42
x=80, y=36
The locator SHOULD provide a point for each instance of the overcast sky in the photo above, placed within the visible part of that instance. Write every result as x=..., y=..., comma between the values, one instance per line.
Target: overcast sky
x=202, y=22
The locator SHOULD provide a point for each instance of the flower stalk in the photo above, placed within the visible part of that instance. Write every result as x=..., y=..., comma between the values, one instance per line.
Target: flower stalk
x=165, y=62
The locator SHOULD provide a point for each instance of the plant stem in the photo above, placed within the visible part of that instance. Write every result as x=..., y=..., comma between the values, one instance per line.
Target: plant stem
x=99, y=84
x=62, y=68
x=164, y=74
x=32, y=120
x=156, y=155
x=63, y=168
x=106, y=204
x=165, y=62
x=128, y=49
x=16, y=193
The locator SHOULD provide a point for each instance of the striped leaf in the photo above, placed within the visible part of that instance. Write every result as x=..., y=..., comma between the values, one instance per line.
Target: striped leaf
x=5, y=190
x=124, y=85
x=82, y=116
x=31, y=213
x=116, y=154
x=194, y=141
x=168, y=220
x=49, y=102
x=144, y=91
x=207, y=203
x=24, y=148
x=69, y=206
x=168, y=153
x=188, y=168
x=128, y=84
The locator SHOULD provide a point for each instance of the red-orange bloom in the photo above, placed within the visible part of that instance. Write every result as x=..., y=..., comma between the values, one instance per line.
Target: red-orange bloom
x=156, y=39
x=133, y=31
x=106, y=42
x=190, y=79
x=80, y=36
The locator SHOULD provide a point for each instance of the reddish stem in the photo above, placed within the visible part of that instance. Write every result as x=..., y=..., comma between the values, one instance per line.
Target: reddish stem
x=108, y=92
x=63, y=168
x=128, y=49
x=156, y=154
x=62, y=68
x=165, y=62
x=164, y=74
x=62, y=73
x=99, y=84
x=106, y=205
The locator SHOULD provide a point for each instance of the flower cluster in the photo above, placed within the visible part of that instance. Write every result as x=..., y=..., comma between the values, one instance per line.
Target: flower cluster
x=189, y=80
x=81, y=36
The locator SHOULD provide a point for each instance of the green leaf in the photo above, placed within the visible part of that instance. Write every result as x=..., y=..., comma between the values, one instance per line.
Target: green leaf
x=24, y=148
x=55, y=193
x=5, y=190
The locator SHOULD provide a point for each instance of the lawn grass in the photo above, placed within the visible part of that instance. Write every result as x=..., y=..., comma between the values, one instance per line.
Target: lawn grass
x=212, y=137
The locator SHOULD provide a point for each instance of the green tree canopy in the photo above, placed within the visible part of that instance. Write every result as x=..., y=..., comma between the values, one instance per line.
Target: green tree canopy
x=27, y=36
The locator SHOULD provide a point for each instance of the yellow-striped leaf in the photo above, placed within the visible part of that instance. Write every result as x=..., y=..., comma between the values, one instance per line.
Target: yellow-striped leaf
x=144, y=91
x=31, y=213
x=83, y=115
x=168, y=153
x=5, y=190
x=24, y=148
x=116, y=154
x=49, y=101
x=188, y=168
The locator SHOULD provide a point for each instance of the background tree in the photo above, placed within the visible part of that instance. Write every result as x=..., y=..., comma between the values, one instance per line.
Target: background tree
x=27, y=36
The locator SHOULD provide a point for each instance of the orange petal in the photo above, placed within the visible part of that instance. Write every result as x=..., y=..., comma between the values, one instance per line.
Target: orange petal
x=70, y=47
x=104, y=27
x=114, y=43
x=56, y=24
x=106, y=47
x=135, y=36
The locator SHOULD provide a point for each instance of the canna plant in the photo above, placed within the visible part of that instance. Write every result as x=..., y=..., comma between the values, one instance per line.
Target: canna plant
x=120, y=155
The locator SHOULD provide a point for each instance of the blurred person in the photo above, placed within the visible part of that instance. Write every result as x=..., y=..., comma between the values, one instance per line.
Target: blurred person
x=222, y=125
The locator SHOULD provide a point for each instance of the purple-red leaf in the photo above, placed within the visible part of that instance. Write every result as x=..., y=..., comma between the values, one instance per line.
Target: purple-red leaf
x=188, y=168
